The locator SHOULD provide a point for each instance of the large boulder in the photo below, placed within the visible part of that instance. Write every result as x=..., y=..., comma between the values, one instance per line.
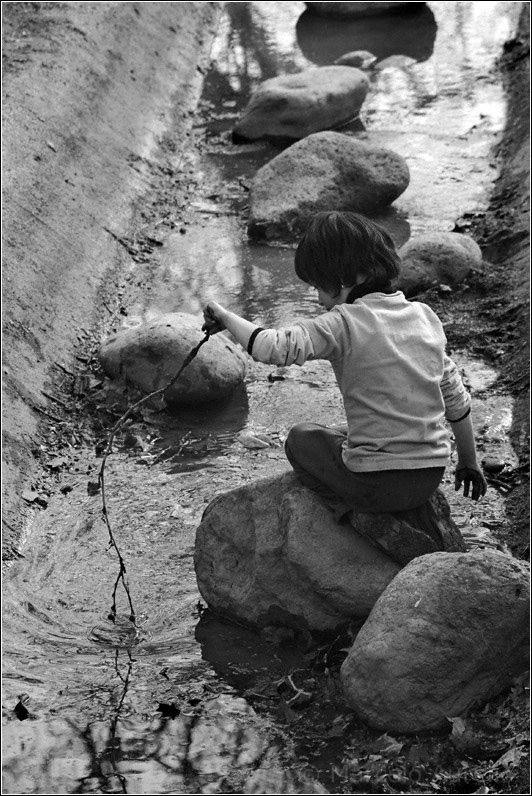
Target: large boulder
x=357, y=9
x=437, y=258
x=294, y=106
x=149, y=355
x=325, y=171
x=271, y=553
x=450, y=631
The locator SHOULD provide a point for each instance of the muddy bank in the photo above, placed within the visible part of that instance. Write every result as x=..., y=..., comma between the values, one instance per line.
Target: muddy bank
x=89, y=90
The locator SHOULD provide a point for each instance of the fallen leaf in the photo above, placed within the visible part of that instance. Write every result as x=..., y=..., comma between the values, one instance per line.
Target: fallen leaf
x=509, y=758
x=458, y=725
x=389, y=745
x=168, y=710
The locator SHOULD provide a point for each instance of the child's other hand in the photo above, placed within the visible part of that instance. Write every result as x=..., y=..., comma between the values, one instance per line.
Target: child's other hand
x=213, y=314
x=470, y=477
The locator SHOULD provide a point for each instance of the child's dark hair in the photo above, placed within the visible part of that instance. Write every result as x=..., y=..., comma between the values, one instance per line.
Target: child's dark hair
x=338, y=248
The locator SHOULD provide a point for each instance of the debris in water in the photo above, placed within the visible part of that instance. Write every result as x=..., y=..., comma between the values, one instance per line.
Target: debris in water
x=168, y=711
x=20, y=710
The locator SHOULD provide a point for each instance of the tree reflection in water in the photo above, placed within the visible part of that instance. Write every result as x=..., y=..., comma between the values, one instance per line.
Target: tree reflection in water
x=198, y=751
x=409, y=32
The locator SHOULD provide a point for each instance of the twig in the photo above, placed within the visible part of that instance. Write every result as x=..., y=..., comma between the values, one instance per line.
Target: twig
x=47, y=414
x=56, y=400
x=121, y=577
x=62, y=367
x=114, y=723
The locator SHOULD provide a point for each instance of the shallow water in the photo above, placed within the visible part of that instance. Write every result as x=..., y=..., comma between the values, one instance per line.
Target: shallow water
x=154, y=705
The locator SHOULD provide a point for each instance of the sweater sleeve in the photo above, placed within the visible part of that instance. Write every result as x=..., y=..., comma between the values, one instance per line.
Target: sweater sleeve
x=456, y=398
x=289, y=346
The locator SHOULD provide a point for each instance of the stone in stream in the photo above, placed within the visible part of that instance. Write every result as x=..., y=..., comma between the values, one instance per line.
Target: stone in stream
x=357, y=9
x=294, y=106
x=450, y=632
x=437, y=258
x=271, y=553
x=149, y=355
x=325, y=171
x=361, y=59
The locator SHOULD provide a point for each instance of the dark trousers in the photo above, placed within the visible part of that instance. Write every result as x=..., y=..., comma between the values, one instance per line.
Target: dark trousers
x=315, y=453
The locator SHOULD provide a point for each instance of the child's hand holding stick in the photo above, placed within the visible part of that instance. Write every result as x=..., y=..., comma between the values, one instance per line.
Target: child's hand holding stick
x=213, y=314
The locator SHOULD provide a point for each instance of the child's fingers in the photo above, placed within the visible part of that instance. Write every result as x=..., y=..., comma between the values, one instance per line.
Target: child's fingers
x=212, y=323
x=473, y=481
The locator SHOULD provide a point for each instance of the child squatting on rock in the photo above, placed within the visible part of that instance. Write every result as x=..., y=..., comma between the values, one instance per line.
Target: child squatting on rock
x=397, y=383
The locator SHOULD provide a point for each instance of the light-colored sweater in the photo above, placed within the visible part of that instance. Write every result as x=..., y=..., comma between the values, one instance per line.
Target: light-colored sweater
x=397, y=383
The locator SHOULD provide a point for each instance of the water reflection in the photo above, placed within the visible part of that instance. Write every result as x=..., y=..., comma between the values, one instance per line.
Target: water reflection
x=255, y=41
x=242, y=656
x=217, y=262
x=189, y=437
x=324, y=39
x=201, y=749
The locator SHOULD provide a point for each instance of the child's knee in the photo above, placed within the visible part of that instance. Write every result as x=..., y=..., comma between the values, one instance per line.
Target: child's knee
x=297, y=437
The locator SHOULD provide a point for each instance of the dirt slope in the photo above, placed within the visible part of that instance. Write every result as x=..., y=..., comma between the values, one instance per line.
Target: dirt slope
x=88, y=90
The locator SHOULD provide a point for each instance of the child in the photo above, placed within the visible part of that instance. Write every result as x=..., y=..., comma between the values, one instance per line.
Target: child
x=397, y=383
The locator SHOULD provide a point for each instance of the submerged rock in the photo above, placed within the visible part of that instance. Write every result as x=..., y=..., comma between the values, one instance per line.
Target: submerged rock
x=270, y=553
x=361, y=59
x=294, y=106
x=325, y=171
x=450, y=631
x=435, y=258
x=357, y=9
x=148, y=356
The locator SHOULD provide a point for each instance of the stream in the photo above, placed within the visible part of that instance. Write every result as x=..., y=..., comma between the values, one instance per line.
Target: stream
x=168, y=704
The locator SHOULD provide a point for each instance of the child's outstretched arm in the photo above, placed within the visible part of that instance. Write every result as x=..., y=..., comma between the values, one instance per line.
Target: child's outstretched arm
x=468, y=471
x=287, y=346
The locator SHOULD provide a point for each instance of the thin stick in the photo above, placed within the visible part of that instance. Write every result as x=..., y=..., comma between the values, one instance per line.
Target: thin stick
x=121, y=577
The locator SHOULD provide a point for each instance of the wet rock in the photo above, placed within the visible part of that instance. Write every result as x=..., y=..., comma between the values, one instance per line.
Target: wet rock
x=361, y=59
x=405, y=535
x=435, y=258
x=356, y=9
x=325, y=171
x=270, y=553
x=450, y=631
x=148, y=356
x=294, y=106
x=395, y=62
